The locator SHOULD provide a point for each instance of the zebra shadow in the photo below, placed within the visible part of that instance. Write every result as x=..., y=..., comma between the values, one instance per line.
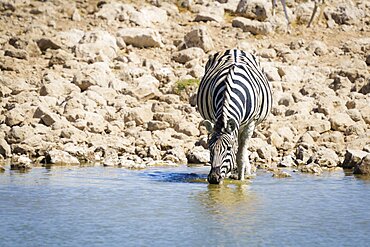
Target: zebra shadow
x=177, y=177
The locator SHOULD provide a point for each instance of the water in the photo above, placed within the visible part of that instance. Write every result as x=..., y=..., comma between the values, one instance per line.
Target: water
x=97, y=206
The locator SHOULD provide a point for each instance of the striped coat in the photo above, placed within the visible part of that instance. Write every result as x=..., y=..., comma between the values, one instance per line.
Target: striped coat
x=233, y=97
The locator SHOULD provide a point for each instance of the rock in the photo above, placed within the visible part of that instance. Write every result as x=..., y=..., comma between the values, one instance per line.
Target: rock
x=271, y=71
x=318, y=47
x=16, y=53
x=326, y=157
x=97, y=46
x=172, y=118
x=18, y=134
x=76, y=15
x=319, y=125
x=130, y=164
x=70, y=38
x=60, y=57
x=291, y=73
x=146, y=88
x=287, y=161
x=153, y=14
x=311, y=168
x=15, y=116
x=20, y=162
x=115, y=10
x=345, y=13
x=45, y=43
x=198, y=155
x=96, y=74
x=5, y=149
x=363, y=167
x=59, y=87
x=353, y=158
x=211, y=13
x=59, y=157
x=140, y=115
x=188, y=55
x=111, y=158
x=176, y=155
x=199, y=37
x=304, y=12
x=2, y=168
x=252, y=26
x=340, y=121
x=140, y=37
x=256, y=9
x=47, y=116
x=157, y=125
x=278, y=173
x=187, y=128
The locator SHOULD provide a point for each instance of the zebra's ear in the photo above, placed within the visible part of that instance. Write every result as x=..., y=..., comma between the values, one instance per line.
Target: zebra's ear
x=209, y=125
x=231, y=125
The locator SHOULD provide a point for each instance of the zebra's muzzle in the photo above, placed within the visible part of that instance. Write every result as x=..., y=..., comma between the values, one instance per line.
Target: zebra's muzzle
x=214, y=178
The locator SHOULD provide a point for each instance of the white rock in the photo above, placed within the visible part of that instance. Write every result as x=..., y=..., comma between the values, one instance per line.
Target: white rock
x=188, y=54
x=97, y=46
x=252, y=26
x=93, y=74
x=199, y=37
x=198, y=155
x=60, y=157
x=140, y=37
x=211, y=13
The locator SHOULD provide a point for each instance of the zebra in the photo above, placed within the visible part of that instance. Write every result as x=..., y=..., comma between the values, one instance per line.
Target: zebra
x=233, y=97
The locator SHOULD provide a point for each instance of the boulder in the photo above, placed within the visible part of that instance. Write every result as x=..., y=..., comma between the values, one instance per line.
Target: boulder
x=211, y=13
x=340, y=121
x=311, y=168
x=18, y=134
x=140, y=37
x=15, y=116
x=278, y=173
x=252, y=26
x=146, y=88
x=97, y=46
x=363, y=167
x=59, y=157
x=187, y=128
x=20, y=162
x=70, y=38
x=142, y=114
x=287, y=161
x=115, y=10
x=353, y=158
x=188, y=55
x=198, y=155
x=256, y=9
x=199, y=37
x=96, y=74
x=345, y=13
x=5, y=149
x=157, y=125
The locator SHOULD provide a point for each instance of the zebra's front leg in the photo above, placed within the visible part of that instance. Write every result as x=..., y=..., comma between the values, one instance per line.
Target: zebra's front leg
x=242, y=157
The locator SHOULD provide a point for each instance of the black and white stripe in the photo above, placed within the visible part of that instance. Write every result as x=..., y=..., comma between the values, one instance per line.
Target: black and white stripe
x=233, y=97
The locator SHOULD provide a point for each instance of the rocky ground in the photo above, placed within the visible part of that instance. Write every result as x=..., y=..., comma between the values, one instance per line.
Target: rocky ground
x=113, y=82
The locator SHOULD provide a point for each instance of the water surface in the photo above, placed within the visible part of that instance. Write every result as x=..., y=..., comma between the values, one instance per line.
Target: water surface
x=97, y=206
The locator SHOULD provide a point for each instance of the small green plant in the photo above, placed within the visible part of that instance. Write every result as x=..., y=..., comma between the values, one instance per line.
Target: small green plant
x=186, y=85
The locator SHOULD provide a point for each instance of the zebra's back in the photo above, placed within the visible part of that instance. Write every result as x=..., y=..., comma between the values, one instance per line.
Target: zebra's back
x=234, y=86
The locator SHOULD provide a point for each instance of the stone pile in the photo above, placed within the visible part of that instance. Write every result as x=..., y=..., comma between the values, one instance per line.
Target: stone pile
x=103, y=82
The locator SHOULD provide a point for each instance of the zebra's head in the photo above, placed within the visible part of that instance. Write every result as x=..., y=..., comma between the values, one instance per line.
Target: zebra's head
x=222, y=146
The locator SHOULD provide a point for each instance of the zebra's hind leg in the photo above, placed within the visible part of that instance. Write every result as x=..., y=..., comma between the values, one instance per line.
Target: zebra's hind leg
x=242, y=157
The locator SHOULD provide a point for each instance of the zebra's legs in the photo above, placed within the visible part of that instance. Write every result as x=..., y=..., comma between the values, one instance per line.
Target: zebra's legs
x=242, y=158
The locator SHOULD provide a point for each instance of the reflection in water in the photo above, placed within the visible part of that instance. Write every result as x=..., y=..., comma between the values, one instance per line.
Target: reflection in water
x=227, y=201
